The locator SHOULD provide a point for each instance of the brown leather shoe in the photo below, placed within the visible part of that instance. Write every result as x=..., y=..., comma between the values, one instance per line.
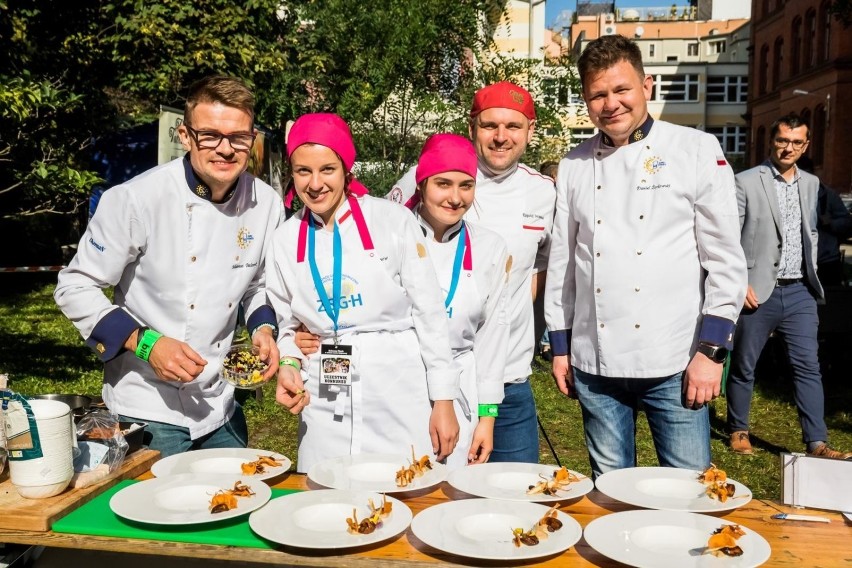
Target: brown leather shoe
x=740, y=443
x=824, y=451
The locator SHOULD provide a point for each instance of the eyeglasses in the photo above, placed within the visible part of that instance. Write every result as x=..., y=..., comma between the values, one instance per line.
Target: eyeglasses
x=783, y=143
x=210, y=139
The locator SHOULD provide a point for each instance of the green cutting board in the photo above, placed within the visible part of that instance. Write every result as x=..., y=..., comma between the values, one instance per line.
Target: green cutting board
x=96, y=518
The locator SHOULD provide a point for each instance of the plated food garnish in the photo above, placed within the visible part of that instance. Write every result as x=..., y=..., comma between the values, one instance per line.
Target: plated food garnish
x=723, y=541
x=417, y=468
x=716, y=481
x=226, y=499
x=259, y=465
x=560, y=479
x=547, y=524
x=373, y=521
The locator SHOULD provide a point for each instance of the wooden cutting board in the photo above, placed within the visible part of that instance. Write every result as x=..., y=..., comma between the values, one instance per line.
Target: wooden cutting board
x=39, y=514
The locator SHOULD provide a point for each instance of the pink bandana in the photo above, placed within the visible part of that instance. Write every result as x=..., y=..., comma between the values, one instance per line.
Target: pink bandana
x=446, y=153
x=328, y=130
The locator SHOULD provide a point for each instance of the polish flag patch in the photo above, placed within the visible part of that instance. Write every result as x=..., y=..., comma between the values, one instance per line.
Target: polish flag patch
x=720, y=161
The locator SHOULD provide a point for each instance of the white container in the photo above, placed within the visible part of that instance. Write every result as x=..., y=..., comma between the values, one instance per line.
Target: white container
x=50, y=474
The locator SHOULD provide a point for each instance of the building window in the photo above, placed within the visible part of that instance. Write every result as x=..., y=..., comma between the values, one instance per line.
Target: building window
x=692, y=49
x=825, y=26
x=716, y=47
x=795, y=46
x=763, y=69
x=728, y=89
x=731, y=138
x=810, y=46
x=778, y=62
x=671, y=58
x=652, y=50
x=580, y=134
x=679, y=88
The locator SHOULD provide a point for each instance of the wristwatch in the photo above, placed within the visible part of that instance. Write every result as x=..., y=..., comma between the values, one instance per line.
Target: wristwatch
x=715, y=353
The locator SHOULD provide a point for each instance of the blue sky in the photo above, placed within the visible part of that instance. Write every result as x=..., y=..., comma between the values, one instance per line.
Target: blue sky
x=554, y=7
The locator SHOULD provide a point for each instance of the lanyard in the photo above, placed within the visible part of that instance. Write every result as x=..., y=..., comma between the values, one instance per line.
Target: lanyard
x=331, y=305
x=457, y=264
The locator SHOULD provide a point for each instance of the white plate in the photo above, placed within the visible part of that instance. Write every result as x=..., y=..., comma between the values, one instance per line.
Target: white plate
x=482, y=528
x=317, y=519
x=667, y=488
x=184, y=499
x=225, y=461
x=666, y=539
x=510, y=481
x=372, y=472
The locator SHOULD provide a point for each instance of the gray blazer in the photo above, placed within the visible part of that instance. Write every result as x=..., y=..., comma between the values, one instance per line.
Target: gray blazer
x=760, y=225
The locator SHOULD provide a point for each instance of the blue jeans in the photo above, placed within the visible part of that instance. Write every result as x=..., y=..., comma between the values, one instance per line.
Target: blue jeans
x=792, y=310
x=516, y=428
x=610, y=406
x=170, y=439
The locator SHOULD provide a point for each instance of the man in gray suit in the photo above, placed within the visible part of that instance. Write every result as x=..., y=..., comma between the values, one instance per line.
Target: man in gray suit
x=778, y=218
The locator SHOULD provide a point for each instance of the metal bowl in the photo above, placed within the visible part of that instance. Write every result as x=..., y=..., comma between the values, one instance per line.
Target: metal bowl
x=79, y=403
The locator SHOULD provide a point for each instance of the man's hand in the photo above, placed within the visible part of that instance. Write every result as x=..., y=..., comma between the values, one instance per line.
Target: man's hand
x=702, y=381
x=290, y=390
x=307, y=342
x=174, y=360
x=564, y=375
x=482, y=443
x=443, y=428
x=267, y=351
x=751, y=299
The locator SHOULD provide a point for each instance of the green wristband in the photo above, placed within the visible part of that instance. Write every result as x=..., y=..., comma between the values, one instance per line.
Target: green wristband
x=488, y=410
x=146, y=343
x=291, y=362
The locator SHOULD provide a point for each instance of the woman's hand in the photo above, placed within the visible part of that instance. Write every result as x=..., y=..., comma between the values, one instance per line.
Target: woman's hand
x=443, y=428
x=483, y=441
x=290, y=391
x=267, y=350
x=307, y=342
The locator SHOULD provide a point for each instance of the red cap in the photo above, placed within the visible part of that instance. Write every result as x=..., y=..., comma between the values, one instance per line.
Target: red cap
x=503, y=95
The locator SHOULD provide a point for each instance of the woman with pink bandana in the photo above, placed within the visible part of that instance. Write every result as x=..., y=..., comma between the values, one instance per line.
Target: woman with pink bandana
x=355, y=270
x=472, y=264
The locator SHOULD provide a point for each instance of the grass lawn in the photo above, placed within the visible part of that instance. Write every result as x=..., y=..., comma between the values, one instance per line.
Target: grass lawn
x=43, y=353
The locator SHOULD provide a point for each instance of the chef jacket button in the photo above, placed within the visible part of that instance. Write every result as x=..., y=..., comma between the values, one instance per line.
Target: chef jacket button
x=775, y=264
x=599, y=153
x=192, y=258
x=641, y=216
x=599, y=187
x=230, y=304
x=599, y=221
x=192, y=306
x=636, y=289
x=639, y=252
x=598, y=290
x=636, y=326
x=597, y=254
x=602, y=325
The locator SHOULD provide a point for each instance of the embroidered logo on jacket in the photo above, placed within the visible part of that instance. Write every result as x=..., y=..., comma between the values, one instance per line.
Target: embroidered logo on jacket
x=244, y=238
x=100, y=247
x=654, y=164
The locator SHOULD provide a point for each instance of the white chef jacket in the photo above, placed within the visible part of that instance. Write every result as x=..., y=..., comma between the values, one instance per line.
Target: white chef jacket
x=518, y=205
x=646, y=242
x=392, y=314
x=181, y=265
x=479, y=330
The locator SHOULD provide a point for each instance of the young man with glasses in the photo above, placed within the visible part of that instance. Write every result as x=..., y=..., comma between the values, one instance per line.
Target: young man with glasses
x=778, y=220
x=184, y=246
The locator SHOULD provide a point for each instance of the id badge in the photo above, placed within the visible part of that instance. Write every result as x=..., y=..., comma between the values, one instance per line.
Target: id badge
x=336, y=365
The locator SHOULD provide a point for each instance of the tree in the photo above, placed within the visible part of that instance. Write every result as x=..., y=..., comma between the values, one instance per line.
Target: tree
x=842, y=10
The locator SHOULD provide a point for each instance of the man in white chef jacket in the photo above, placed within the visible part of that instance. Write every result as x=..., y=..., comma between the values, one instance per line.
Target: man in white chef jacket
x=516, y=202
x=646, y=275
x=184, y=246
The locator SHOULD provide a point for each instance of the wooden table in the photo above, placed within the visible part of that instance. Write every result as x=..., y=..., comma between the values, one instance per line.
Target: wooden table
x=794, y=543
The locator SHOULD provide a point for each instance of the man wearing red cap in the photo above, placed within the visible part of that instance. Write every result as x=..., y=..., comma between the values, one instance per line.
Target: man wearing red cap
x=518, y=203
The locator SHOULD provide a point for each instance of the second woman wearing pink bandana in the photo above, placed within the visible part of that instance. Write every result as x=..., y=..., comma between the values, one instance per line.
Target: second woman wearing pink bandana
x=355, y=270
x=472, y=264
